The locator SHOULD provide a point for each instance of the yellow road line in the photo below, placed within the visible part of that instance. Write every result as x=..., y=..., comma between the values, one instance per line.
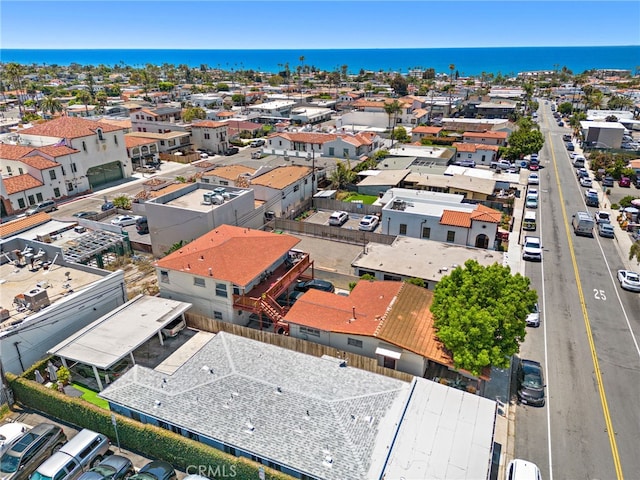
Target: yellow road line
x=592, y=346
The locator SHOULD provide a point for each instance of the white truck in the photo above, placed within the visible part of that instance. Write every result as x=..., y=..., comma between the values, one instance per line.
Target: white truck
x=583, y=224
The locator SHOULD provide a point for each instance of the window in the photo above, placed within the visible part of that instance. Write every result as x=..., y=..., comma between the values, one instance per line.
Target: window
x=21, y=203
x=224, y=182
x=115, y=139
x=198, y=282
x=31, y=200
x=236, y=290
x=84, y=146
x=52, y=174
x=221, y=290
x=207, y=136
x=217, y=315
x=162, y=142
x=426, y=232
x=205, y=180
x=164, y=276
x=469, y=155
x=39, y=197
x=8, y=169
x=310, y=331
x=296, y=188
x=74, y=168
x=56, y=192
x=99, y=132
x=451, y=236
x=172, y=143
x=345, y=152
x=69, y=186
x=63, y=172
x=403, y=229
x=354, y=342
x=20, y=171
x=393, y=278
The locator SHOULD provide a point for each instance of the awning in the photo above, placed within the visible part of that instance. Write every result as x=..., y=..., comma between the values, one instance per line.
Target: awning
x=388, y=351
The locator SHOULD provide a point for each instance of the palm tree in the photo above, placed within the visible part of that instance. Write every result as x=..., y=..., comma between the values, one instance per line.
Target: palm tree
x=51, y=104
x=84, y=97
x=342, y=176
x=392, y=109
x=14, y=72
x=452, y=67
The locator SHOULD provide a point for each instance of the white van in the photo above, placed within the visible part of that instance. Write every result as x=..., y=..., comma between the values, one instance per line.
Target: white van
x=529, y=222
x=583, y=224
x=578, y=161
x=519, y=469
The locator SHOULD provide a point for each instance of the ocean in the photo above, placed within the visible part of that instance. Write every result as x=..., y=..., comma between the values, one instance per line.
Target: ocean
x=467, y=61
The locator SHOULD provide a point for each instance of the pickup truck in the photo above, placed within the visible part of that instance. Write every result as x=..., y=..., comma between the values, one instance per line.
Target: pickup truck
x=502, y=165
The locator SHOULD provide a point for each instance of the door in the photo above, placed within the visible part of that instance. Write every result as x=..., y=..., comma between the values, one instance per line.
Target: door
x=482, y=241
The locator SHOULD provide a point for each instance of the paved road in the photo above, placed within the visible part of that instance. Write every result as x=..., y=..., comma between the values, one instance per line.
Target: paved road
x=587, y=320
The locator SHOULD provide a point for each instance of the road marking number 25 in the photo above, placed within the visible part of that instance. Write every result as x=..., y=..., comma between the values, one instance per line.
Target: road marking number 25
x=599, y=294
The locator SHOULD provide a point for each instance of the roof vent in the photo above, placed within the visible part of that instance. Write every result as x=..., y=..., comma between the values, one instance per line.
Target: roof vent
x=327, y=460
x=205, y=368
x=250, y=426
x=157, y=403
x=278, y=389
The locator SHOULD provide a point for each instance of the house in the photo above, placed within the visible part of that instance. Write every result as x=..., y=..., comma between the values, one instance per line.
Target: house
x=427, y=260
x=210, y=136
x=38, y=296
x=423, y=154
x=486, y=138
x=159, y=119
x=234, y=175
x=496, y=109
x=206, y=100
x=285, y=188
x=422, y=131
x=238, y=127
x=270, y=112
x=352, y=146
x=375, y=182
x=141, y=151
x=481, y=153
x=310, y=115
x=233, y=274
x=299, y=141
x=440, y=217
x=386, y=320
x=310, y=417
x=170, y=142
x=87, y=153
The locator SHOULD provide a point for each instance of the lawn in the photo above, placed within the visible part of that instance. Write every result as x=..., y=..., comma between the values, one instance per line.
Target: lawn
x=366, y=199
x=92, y=397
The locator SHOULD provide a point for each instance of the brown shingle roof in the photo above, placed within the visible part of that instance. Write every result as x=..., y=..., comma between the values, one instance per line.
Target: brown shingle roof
x=20, y=183
x=282, y=177
x=234, y=254
x=69, y=127
x=24, y=223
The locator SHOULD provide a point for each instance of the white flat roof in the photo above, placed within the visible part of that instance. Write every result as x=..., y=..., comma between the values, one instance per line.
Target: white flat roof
x=118, y=333
x=420, y=152
x=608, y=125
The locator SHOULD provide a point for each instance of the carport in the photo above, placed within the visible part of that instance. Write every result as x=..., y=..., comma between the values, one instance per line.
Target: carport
x=116, y=335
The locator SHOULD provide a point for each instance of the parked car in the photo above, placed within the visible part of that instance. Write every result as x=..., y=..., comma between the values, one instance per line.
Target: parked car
x=113, y=467
x=561, y=123
x=533, y=319
x=46, y=206
x=629, y=280
x=534, y=166
x=155, y=470
x=532, y=249
x=257, y=143
x=530, y=383
x=287, y=299
x=607, y=181
x=125, y=220
x=142, y=225
x=337, y=219
x=174, y=327
x=566, y=137
x=369, y=223
x=30, y=450
x=87, y=214
x=316, y=284
x=9, y=433
x=591, y=198
x=606, y=230
x=570, y=146
x=107, y=206
x=624, y=182
x=582, y=172
x=231, y=151
x=534, y=179
x=519, y=469
x=465, y=163
x=586, y=182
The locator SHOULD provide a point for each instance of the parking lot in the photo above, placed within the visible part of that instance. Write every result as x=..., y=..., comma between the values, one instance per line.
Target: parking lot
x=322, y=218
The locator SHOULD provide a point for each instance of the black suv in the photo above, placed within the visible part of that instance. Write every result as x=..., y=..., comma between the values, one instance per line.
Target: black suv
x=232, y=151
x=316, y=284
x=33, y=448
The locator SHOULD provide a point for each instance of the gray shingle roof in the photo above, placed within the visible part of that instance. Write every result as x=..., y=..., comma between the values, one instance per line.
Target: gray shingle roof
x=290, y=408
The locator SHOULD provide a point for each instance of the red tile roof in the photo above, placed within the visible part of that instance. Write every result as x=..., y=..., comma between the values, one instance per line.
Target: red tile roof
x=428, y=130
x=486, y=134
x=131, y=141
x=57, y=151
x=483, y=213
x=234, y=254
x=455, y=218
x=18, y=225
x=14, y=152
x=208, y=124
x=20, y=183
x=39, y=162
x=304, y=137
x=69, y=127
x=474, y=147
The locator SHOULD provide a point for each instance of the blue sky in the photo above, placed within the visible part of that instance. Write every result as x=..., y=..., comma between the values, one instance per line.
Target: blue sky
x=292, y=24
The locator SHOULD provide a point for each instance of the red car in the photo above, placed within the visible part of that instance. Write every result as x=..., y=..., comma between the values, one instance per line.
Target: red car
x=625, y=182
x=534, y=167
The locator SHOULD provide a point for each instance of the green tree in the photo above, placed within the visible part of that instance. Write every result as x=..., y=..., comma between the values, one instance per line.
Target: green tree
x=342, y=176
x=51, y=104
x=194, y=113
x=222, y=87
x=238, y=99
x=526, y=140
x=618, y=102
x=84, y=98
x=276, y=80
x=634, y=251
x=399, y=85
x=14, y=73
x=480, y=314
x=392, y=109
x=166, y=86
x=400, y=134
x=565, y=108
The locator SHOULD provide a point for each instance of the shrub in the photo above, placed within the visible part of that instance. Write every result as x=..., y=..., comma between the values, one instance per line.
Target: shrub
x=148, y=440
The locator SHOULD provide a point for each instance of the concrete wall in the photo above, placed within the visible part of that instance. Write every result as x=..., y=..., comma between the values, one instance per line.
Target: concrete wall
x=371, y=119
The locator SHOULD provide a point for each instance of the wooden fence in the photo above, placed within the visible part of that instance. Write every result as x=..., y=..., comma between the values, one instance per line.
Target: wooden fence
x=356, y=208
x=309, y=348
x=188, y=158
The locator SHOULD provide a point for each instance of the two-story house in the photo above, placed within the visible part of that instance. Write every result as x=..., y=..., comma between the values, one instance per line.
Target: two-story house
x=158, y=120
x=480, y=153
x=210, y=136
x=141, y=151
x=487, y=137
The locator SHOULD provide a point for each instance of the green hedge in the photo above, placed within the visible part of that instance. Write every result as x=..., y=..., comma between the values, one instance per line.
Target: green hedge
x=148, y=440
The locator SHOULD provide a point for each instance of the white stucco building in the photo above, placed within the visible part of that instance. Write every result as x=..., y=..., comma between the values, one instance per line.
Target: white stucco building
x=210, y=136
